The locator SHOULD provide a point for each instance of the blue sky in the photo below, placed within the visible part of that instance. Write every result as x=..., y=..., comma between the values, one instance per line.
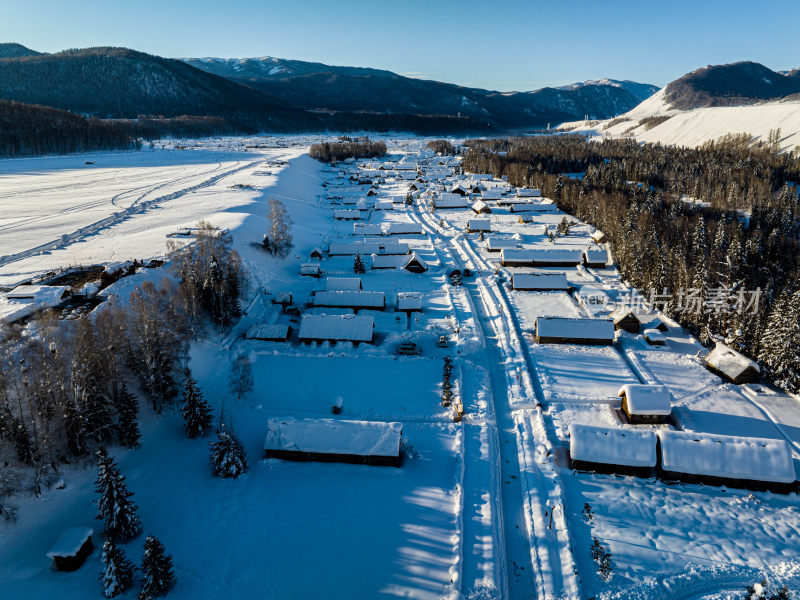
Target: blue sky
x=503, y=45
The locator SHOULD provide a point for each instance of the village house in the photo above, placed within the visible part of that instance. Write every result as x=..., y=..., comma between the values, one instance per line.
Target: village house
x=72, y=548
x=618, y=450
x=540, y=282
x=645, y=404
x=732, y=365
x=573, y=330
x=336, y=328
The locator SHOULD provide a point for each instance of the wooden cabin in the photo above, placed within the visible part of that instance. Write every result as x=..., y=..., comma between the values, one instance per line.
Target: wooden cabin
x=316, y=253
x=409, y=301
x=625, y=319
x=624, y=451
x=732, y=365
x=446, y=201
x=415, y=264
x=595, y=257
x=481, y=208
x=355, y=299
x=334, y=440
x=478, y=225
x=310, y=269
x=645, y=404
x=569, y=330
x=336, y=328
x=343, y=284
x=72, y=548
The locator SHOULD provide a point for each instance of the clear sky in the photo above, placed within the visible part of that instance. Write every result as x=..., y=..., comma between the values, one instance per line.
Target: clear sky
x=502, y=45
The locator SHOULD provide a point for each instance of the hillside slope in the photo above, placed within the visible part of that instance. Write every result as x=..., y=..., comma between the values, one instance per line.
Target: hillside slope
x=13, y=50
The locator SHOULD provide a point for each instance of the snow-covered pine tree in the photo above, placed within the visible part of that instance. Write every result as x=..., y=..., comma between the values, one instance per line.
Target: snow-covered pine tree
x=117, y=570
x=114, y=506
x=358, y=265
x=157, y=570
x=197, y=417
x=780, y=343
x=228, y=458
x=128, y=425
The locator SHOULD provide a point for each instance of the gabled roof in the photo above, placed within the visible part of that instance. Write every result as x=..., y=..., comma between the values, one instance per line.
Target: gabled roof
x=409, y=301
x=574, y=328
x=343, y=283
x=540, y=281
x=647, y=399
x=729, y=362
x=612, y=445
x=333, y=436
x=354, y=328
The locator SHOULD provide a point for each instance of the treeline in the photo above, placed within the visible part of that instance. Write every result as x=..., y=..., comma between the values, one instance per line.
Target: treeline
x=347, y=148
x=442, y=147
x=64, y=383
x=716, y=222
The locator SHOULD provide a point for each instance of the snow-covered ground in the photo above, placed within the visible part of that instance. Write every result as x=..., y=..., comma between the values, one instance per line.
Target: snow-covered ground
x=482, y=508
x=700, y=125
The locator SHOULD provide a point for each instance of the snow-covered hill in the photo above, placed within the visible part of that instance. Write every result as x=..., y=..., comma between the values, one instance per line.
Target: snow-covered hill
x=655, y=120
x=640, y=91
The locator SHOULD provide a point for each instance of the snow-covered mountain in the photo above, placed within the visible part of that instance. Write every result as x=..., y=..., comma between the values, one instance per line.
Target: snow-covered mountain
x=710, y=103
x=640, y=91
x=270, y=67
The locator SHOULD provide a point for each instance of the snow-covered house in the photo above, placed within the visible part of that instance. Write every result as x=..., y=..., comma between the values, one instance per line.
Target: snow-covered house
x=512, y=201
x=728, y=460
x=388, y=261
x=450, y=201
x=367, y=229
x=595, y=257
x=367, y=247
x=459, y=189
x=409, y=301
x=529, y=193
x=348, y=328
x=415, y=264
x=403, y=229
x=540, y=257
x=496, y=244
x=491, y=194
x=612, y=449
x=343, y=284
x=310, y=269
x=45, y=295
x=645, y=403
x=355, y=299
x=334, y=440
x=481, y=208
x=573, y=330
x=269, y=332
x=72, y=548
x=540, y=282
x=732, y=365
x=476, y=225
x=347, y=215
x=626, y=319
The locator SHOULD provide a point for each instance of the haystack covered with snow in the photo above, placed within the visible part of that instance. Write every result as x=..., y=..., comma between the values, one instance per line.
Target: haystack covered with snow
x=334, y=440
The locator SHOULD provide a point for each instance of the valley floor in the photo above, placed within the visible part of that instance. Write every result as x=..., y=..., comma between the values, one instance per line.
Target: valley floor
x=484, y=508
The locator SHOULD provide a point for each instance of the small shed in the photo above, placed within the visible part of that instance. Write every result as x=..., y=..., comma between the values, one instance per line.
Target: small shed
x=645, y=404
x=654, y=337
x=732, y=365
x=598, y=237
x=310, y=269
x=72, y=548
x=334, y=440
x=343, y=284
x=409, y=301
x=612, y=449
x=625, y=319
x=736, y=461
x=481, y=208
x=476, y=225
x=540, y=282
x=316, y=253
x=345, y=328
x=573, y=330
x=275, y=332
x=415, y=264
x=595, y=257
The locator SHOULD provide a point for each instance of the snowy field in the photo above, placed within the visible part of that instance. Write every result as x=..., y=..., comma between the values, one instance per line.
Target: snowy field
x=485, y=507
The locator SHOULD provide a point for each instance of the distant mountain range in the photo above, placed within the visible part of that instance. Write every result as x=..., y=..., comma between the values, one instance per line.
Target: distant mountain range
x=11, y=50
x=735, y=84
x=318, y=86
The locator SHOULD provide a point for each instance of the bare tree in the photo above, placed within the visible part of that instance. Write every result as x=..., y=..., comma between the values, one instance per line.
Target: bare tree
x=278, y=239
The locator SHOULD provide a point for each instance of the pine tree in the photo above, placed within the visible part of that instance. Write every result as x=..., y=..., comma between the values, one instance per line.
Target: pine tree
x=157, y=570
x=117, y=570
x=228, y=458
x=128, y=425
x=23, y=446
x=780, y=343
x=197, y=416
x=358, y=265
x=114, y=506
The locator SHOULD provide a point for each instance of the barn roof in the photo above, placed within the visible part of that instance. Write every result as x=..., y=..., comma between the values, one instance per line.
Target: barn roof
x=733, y=457
x=540, y=281
x=344, y=298
x=479, y=225
x=612, y=445
x=343, y=283
x=574, y=328
x=403, y=228
x=333, y=436
x=647, y=399
x=354, y=328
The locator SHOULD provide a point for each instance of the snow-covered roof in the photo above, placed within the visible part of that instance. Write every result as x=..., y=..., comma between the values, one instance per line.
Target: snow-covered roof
x=546, y=206
x=612, y=445
x=310, y=269
x=647, y=399
x=403, y=228
x=344, y=298
x=368, y=247
x=596, y=254
x=367, y=229
x=529, y=192
x=343, y=283
x=356, y=328
x=334, y=436
x=450, y=201
x=730, y=362
x=409, y=301
x=479, y=225
x=727, y=456
x=41, y=294
x=574, y=328
x=598, y=236
x=384, y=205
x=498, y=243
x=540, y=281
x=491, y=194
x=69, y=542
x=480, y=206
x=512, y=201
x=542, y=255
x=388, y=261
x=267, y=331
